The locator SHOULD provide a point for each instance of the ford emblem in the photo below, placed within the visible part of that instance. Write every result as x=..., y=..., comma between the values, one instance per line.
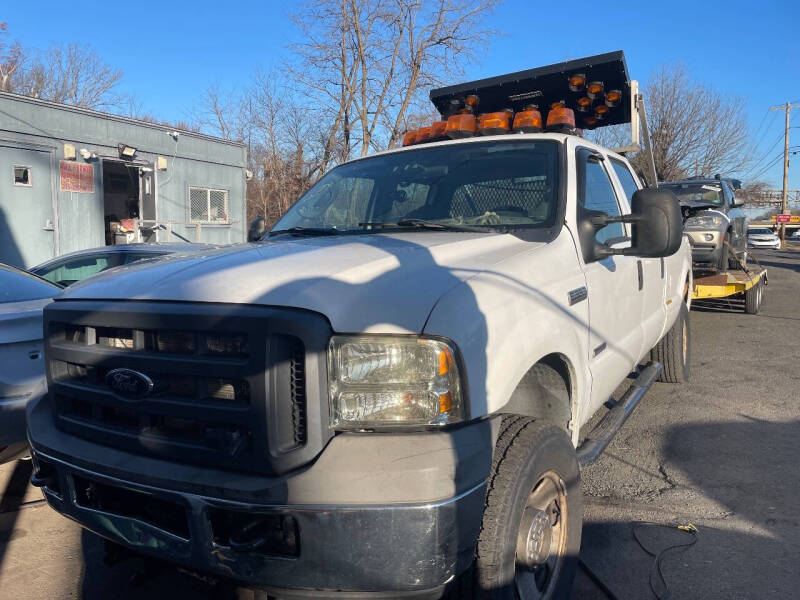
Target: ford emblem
x=129, y=383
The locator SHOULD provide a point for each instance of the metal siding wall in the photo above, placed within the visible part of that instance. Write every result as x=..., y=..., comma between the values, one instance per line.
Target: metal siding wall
x=201, y=161
x=173, y=202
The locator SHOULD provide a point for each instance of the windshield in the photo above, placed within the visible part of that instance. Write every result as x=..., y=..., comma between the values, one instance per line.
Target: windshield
x=696, y=192
x=506, y=184
x=759, y=232
x=18, y=286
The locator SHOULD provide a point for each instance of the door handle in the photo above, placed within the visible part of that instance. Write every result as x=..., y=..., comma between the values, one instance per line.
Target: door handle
x=641, y=273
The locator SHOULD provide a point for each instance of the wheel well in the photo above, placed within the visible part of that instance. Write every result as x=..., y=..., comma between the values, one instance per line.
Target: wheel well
x=545, y=392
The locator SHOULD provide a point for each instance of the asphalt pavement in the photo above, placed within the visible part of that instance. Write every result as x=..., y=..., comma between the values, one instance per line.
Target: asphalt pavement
x=721, y=452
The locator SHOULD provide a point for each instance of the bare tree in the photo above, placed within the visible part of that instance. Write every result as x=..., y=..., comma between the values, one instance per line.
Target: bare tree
x=695, y=129
x=223, y=114
x=365, y=63
x=71, y=74
x=11, y=58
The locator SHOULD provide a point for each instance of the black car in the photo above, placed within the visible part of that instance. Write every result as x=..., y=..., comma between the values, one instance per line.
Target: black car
x=712, y=216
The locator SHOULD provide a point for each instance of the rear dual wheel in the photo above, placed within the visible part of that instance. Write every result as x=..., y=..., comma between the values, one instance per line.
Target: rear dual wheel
x=674, y=350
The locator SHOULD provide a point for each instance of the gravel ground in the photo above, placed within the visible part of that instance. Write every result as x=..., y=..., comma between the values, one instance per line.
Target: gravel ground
x=720, y=452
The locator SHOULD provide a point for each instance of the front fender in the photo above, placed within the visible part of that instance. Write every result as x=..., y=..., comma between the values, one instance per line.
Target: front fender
x=506, y=318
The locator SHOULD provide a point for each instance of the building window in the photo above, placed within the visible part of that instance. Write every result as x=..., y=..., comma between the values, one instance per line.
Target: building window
x=22, y=176
x=208, y=205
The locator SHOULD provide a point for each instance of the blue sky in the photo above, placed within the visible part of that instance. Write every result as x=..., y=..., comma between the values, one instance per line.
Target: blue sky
x=171, y=51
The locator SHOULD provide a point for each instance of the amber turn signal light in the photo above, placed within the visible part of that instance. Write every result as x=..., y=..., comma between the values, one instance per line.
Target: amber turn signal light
x=438, y=130
x=528, y=120
x=495, y=123
x=590, y=122
x=561, y=120
x=594, y=89
x=601, y=110
x=461, y=126
x=410, y=138
x=613, y=97
x=584, y=103
x=423, y=135
x=472, y=101
x=577, y=82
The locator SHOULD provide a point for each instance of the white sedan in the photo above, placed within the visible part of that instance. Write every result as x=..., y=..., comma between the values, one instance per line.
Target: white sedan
x=763, y=238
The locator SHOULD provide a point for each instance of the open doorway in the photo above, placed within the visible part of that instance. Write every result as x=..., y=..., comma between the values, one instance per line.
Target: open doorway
x=129, y=202
x=120, y=201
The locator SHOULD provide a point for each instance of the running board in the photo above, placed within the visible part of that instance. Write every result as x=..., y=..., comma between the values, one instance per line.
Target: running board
x=610, y=424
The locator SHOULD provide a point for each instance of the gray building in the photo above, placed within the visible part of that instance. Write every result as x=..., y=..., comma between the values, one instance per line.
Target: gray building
x=72, y=178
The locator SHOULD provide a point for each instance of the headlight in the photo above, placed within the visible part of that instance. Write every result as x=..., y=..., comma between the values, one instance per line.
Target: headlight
x=380, y=381
x=703, y=222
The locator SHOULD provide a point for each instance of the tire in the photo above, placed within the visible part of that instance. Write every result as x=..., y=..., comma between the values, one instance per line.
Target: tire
x=674, y=350
x=753, y=298
x=724, y=261
x=534, y=486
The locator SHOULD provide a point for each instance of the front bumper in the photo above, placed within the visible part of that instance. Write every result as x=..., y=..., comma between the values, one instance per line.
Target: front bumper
x=764, y=244
x=350, y=540
x=706, y=246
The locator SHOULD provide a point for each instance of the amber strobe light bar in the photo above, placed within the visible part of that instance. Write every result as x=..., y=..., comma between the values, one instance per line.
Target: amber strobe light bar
x=595, y=88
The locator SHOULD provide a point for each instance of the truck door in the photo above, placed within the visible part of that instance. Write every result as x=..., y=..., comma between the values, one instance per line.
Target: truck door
x=27, y=219
x=615, y=298
x=654, y=308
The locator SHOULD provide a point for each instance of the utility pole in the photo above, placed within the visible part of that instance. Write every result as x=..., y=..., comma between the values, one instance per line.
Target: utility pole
x=785, y=204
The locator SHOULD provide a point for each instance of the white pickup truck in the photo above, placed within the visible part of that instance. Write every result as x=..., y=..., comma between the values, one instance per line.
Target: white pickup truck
x=384, y=397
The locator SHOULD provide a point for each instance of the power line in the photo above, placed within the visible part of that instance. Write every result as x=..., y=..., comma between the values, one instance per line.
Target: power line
x=764, y=155
x=771, y=164
x=787, y=108
x=767, y=128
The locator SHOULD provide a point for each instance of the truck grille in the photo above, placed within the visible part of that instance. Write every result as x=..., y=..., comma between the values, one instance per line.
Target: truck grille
x=218, y=386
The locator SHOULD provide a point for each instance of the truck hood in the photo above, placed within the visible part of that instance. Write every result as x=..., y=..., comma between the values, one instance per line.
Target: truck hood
x=385, y=283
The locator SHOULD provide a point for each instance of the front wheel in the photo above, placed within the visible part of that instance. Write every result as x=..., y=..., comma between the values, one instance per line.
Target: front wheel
x=531, y=530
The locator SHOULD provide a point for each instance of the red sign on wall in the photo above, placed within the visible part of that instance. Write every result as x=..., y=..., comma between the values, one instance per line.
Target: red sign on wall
x=784, y=218
x=76, y=177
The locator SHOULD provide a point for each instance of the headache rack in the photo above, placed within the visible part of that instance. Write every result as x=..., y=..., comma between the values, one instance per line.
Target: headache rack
x=596, y=89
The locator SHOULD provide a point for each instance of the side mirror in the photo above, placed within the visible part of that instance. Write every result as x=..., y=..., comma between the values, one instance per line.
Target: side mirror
x=738, y=201
x=657, y=223
x=657, y=227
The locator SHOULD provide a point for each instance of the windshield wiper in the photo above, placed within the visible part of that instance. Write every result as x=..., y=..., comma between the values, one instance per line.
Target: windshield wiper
x=310, y=231
x=423, y=224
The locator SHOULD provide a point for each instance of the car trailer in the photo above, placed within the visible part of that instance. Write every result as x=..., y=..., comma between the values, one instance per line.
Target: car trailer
x=750, y=282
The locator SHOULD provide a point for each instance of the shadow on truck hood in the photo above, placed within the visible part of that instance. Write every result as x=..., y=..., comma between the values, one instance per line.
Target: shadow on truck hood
x=376, y=282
